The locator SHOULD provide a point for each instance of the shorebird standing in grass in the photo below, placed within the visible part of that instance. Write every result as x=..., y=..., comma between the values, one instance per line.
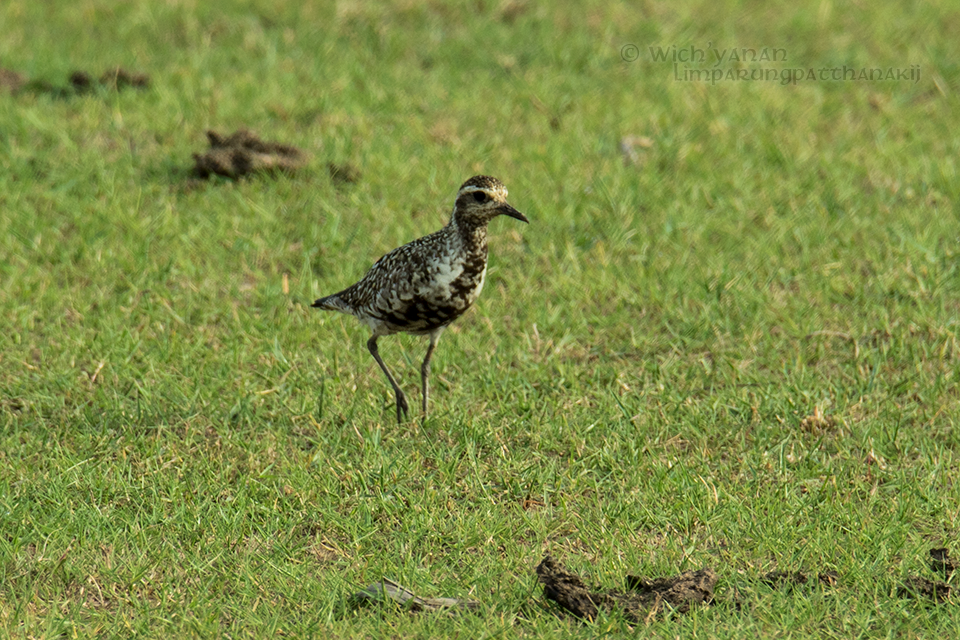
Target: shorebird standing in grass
x=423, y=286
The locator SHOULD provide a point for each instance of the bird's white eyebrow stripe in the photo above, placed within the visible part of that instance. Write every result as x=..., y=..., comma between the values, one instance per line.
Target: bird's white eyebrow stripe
x=471, y=189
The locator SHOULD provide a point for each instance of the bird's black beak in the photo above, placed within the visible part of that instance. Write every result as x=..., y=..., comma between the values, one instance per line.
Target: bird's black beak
x=507, y=210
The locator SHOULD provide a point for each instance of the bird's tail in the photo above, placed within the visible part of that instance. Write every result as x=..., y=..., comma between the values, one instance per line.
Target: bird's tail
x=332, y=303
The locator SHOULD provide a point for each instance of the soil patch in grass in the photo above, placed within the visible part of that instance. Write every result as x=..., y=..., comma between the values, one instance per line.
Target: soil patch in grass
x=11, y=81
x=942, y=563
x=78, y=82
x=787, y=579
x=646, y=598
x=918, y=587
x=242, y=153
x=343, y=174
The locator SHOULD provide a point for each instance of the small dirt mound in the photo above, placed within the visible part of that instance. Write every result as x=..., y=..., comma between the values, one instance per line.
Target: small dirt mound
x=115, y=79
x=343, y=174
x=242, y=153
x=119, y=78
x=10, y=80
x=648, y=597
x=786, y=579
x=942, y=563
x=79, y=82
x=917, y=587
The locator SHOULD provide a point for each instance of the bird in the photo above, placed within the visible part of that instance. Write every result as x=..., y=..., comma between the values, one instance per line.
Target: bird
x=423, y=286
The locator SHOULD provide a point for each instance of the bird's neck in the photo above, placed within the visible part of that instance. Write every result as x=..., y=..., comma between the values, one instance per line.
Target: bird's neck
x=473, y=237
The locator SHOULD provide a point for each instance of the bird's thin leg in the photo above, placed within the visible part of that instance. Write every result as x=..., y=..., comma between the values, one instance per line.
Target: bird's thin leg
x=401, y=399
x=425, y=369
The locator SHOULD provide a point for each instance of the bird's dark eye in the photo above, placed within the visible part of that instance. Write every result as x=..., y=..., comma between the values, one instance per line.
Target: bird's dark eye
x=479, y=196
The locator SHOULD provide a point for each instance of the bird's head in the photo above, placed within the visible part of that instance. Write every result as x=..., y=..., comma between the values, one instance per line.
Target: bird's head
x=482, y=198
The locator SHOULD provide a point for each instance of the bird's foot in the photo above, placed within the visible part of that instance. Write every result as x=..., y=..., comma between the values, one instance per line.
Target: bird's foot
x=402, y=406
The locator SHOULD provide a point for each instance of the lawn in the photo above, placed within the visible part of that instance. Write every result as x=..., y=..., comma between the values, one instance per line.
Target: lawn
x=728, y=337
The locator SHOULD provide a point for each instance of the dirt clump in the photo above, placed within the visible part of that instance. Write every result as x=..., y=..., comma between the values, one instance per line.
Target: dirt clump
x=343, y=174
x=646, y=598
x=942, y=563
x=923, y=588
x=242, y=153
x=782, y=579
x=918, y=587
x=10, y=80
x=119, y=78
x=79, y=82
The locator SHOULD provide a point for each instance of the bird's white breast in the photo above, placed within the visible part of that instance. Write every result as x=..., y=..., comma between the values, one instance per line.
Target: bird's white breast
x=445, y=275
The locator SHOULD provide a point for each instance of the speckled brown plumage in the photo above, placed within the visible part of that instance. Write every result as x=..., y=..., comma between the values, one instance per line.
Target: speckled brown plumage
x=423, y=286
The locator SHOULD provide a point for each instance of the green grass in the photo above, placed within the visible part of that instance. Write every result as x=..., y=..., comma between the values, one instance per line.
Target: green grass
x=186, y=450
